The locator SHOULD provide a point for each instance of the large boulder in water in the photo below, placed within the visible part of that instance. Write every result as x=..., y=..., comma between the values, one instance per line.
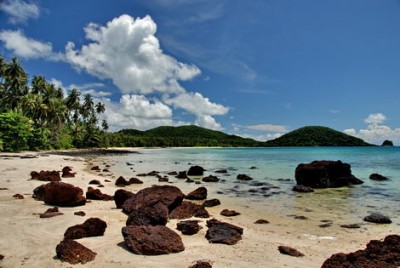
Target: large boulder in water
x=325, y=174
x=195, y=171
x=170, y=196
x=60, y=194
x=384, y=253
x=152, y=240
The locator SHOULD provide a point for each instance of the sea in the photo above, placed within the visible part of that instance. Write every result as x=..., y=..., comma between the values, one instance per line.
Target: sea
x=273, y=173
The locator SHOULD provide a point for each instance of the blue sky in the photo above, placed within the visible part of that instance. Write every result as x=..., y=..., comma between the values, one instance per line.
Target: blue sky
x=254, y=68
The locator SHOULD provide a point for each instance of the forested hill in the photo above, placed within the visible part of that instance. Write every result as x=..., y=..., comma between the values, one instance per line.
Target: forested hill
x=316, y=136
x=182, y=136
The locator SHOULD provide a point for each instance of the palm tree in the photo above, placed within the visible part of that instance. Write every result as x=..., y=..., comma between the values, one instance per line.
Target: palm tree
x=15, y=84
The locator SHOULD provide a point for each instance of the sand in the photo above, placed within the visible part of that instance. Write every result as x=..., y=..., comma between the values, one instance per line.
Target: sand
x=29, y=241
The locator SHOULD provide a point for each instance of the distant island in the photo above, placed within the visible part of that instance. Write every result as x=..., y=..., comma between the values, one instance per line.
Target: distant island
x=194, y=136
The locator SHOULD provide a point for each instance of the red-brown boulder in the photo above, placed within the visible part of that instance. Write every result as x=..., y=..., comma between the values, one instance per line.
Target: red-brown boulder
x=51, y=212
x=152, y=240
x=198, y=194
x=187, y=210
x=60, y=194
x=46, y=175
x=223, y=233
x=96, y=194
x=189, y=227
x=150, y=214
x=91, y=227
x=74, y=253
x=67, y=172
x=229, y=213
x=120, y=196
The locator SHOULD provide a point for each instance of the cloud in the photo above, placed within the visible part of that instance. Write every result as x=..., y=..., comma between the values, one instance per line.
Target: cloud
x=377, y=118
x=268, y=128
x=25, y=47
x=88, y=88
x=375, y=132
x=207, y=121
x=127, y=51
x=19, y=11
x=262, y=137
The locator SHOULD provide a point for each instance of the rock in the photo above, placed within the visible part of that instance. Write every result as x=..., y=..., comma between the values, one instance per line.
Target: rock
x=212, y=203
x=60, y=194
x=198, y=194
x=229, y=213
x=384, y=253
x=80, y=213
x=67, y=172
x=377, y=177
x=187, y=210
x=290, y=251
x=1, y=257
x=300, y=217
x=91, y=227
x=350, y=226
x=189, y=180
x=325, y=174
x=376, y=218
x=73, y=252
x=121, y=181
x=181, y=175
x=96, y=194
x=387, y=143
x=253, y=167
x=38, y=192
x=195, y=171
x=162, y=179
x=221, y=171
x=170, y=196
x=135, y=181
x=149, y=214
x=261, y=221
x=201, y=264
x=210, y=178
x=223, y=233
x=46, y=175
x=51, y=212
x=153, y=173
x=141, y=175
x=18, y=196
x=120, y=196
x=243, y=177
x=94, y=182
x=152, y=240
x=96, y=168
x=190, y=227
x=302, y=189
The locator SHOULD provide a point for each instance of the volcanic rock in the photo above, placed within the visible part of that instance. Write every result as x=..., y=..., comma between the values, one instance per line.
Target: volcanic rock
x=152, y=240
x=80, y=213
x=96, y=168
x=46, y=175
x=121, y=181
x=243, y=177
x=95, y=182
x=223, y=233
x=74, y=253
x=210, y=178
x=181, y=175
x=149, y=214
x=325, y=174
x=170, y=196
x=290, y=251
x=120, y=196
x=96, y=194
x=60, y=194
x=187, y=210
x=67, y=172
x=377, y=177
x=350, y=226
x=135, y=181
x=195, y=171
x=190, y=227
x=51, y=212
x=91, y=227
x=201, y=264
x=211, y=203
x=384, y=253
x=261, y=221
x=302, y=189
x=221, y=171
x=198, y=194
x=229, y=213
x=18, y=196
x=376, y=218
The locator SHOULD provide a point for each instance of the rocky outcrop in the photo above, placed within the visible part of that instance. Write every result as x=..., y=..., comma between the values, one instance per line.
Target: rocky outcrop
x=170, y=196
x=189, y=227
x=60, y=194
x=187, y=210
x=152, y=240
x=197, y=194
x=96, y=194
x=223, y=233
x=325, y=174
x=46, y=175
x=384, y=253
x=120, y=196
x=91, y=227
x=74, y=253
x=195, y=171
x=150, y=214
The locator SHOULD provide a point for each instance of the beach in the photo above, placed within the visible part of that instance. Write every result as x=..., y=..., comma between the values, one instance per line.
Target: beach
x=30, y=241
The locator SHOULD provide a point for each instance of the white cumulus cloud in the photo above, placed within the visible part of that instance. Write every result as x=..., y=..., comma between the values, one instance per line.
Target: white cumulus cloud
x=268, y=128
x=376, y=132
x=19, y=11
x=207, y=121
x=127, y=51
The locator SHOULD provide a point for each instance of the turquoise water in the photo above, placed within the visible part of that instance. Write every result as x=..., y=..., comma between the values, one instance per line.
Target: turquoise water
x=274, y=171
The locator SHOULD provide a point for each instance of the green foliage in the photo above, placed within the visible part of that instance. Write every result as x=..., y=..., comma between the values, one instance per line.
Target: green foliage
x=15, y=132
x=316, y=136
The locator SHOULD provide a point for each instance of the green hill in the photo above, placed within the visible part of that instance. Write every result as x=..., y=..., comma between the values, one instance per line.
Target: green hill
x=316, y=136
x=182, y=136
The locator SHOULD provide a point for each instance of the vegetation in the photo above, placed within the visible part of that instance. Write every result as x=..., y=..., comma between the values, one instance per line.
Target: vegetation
x=316, y=136
x=36, y=115
x=387, y=143
x=183, y=136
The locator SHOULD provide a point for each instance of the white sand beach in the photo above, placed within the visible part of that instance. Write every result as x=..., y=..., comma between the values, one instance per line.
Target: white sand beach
x=29, y=241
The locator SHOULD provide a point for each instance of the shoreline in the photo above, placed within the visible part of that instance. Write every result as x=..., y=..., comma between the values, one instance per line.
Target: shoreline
x=24, y=233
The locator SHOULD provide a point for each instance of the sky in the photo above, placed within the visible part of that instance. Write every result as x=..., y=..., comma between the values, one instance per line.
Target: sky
x=256, y=68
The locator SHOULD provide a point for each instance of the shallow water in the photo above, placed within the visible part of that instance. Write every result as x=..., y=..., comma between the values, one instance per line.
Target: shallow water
x=274, y=177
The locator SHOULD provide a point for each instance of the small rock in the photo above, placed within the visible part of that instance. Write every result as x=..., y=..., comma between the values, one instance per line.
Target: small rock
x=67, y=172
x=301, y=217
x=198, y=194
x=94, y=182
x=95, y=168
x=290, y=251
x=172, y=173
x=261, y=221
x=195, y=171
x=51, y=212
x=188, y=180
x=377, y=177
x=221, y=171
x=223, y=233
x=211, y=203
x=229, y=213
x=189, y=227
x=350, y=226
x=74, y=253
x=187, y=210
x=201, y=264
x=18, y=196
x=91, y=227
x=302, y=189
x=210, y=178
x=376, y=218
x=244, y=177
x=181, y=175
x=121, y=181
x=96, y=194
x=135, y=181
x=80, y=213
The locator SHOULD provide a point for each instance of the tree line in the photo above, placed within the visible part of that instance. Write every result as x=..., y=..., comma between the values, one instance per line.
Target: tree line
x=36, y=115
